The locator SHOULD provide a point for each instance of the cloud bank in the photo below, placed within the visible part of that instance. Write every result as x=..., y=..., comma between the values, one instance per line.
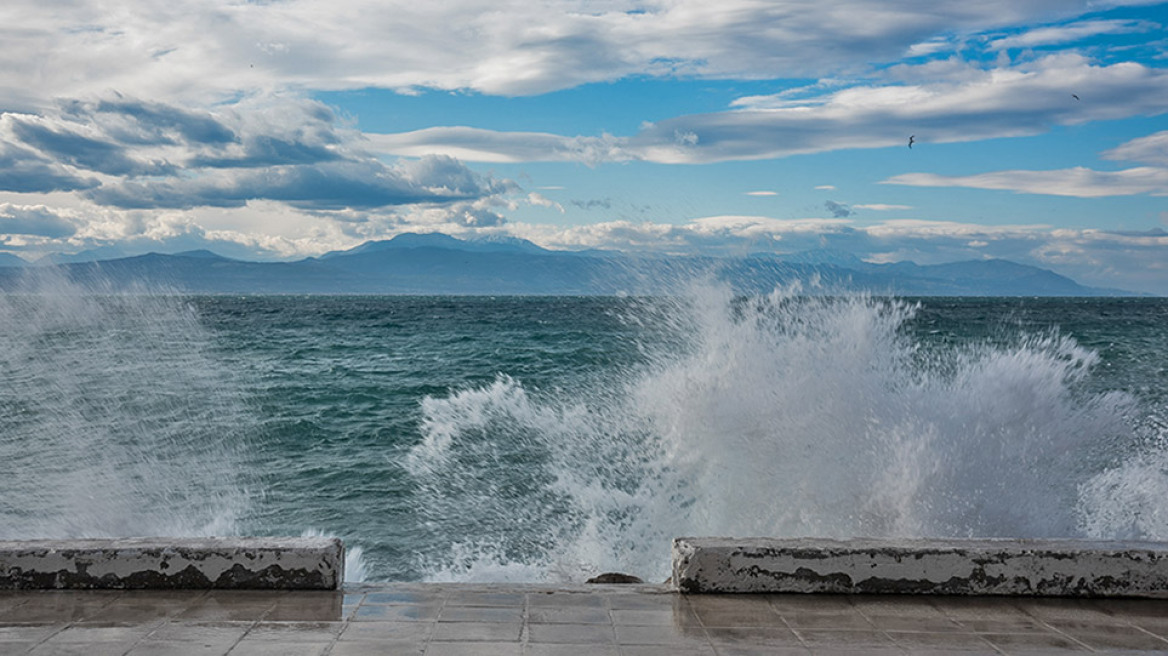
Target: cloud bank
x=952, y=102
x=220, y=48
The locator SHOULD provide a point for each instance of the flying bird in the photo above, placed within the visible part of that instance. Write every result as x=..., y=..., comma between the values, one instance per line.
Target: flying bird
x=911, y=139
x=1074, y=96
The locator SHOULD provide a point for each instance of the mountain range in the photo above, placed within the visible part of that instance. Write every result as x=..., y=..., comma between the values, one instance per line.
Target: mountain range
x=439, y=264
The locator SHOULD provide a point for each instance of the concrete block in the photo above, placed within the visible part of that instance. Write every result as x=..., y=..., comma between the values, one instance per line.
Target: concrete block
x=173, y=563
x=1060, y=568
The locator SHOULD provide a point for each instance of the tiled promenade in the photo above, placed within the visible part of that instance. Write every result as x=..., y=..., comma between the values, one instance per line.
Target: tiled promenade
x=481, y=620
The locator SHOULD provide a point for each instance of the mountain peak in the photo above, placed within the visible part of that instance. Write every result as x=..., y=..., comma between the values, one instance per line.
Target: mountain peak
x=406, y=240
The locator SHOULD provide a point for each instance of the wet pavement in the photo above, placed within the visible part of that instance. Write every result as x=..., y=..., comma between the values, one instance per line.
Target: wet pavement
x=510, y=620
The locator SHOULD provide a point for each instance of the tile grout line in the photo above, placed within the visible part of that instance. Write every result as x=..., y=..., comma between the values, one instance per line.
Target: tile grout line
x=434, y=625
x=802, y=642
x=884, y=632
x=958, y=621
x=611, y=621
x=524, y=627
x=328, y=649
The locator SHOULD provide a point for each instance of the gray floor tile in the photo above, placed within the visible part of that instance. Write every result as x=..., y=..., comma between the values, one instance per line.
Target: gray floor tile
x=200, y=631
x=551, y=649
x=405, y=597
x=51, y=648
x=758, y=615
x=1002, y=625
x=379, y=648
x=643, y=617
x=648, y=602
x=388, y=631
x=773, y=637
x=659, y=635
x=760, y=650
x=397, y=613
x=484, y=620
x=507, y=614
x=569, y=615
x=1119, y=638
x=248, y=647
x=471, y=598
x=307, y=606
x=909, y=622
x=28, y=632
x=844, y=638
x=667, y=650
x=1027, y=643
x=103, y=633
x=582, y=634
x=811, y=603
x=853, y=621
x=474, y=649
x=16, y=647
x=319, y=631
x=918, y=641
x=562, y=599
x=150, y=647
x=477, y=632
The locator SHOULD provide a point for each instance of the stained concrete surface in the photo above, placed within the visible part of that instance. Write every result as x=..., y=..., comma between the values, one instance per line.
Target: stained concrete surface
x=532, y=620
x=276, y=563
x=1001, y=566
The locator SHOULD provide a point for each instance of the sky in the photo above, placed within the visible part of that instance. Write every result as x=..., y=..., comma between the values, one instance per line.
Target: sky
x=280, y=129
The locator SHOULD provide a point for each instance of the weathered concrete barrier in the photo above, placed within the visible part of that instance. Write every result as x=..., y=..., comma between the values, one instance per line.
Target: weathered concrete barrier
x=1070, y=568
x=173, y=563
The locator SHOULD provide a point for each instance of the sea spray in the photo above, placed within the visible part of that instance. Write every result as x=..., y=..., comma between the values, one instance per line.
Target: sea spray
x=115, y=418
x=779, y=415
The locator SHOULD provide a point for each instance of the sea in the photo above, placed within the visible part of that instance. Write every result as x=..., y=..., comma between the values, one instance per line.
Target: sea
x=547, y=439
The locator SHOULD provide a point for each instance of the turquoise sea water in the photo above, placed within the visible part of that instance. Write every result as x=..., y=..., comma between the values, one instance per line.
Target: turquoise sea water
x=548, y=439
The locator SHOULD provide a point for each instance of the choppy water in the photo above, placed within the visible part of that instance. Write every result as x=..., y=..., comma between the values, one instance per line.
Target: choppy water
x=551, y=438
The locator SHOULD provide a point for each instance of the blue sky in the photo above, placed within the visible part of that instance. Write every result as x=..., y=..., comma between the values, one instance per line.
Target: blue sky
x=287, y=128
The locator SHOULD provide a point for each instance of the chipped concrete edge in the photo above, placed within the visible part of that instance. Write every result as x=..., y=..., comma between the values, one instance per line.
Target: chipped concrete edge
x=1058, y=568
x=258, y=563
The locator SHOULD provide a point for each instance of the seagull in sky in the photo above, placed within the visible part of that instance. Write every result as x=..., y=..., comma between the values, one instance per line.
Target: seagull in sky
x=1074, y=96
x=911, y=139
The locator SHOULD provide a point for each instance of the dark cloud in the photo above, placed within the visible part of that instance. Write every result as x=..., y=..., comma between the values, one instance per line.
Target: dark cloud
x=23, y=171
x=265, y=150
x=329, y=186
x=838, y=210
x=84, y=152
x=292, y=151
x=145, y=123
x=593, y=203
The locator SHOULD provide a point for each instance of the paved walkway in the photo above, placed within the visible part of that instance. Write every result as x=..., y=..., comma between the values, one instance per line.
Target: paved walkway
x=485, y=620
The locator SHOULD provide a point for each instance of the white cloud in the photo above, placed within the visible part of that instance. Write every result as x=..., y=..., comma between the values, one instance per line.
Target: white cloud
x=1060, y=34
x=1132, y=261
x=220, y=48
x=968, y=104
x=762, y=193
x=882, y=207
x=1152, y=149
x=480, y=145
x=1078, y=182
x=36, y=221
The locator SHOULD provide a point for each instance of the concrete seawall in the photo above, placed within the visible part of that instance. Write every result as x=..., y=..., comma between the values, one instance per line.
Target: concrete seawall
x=1063, y=568
x=173, y=563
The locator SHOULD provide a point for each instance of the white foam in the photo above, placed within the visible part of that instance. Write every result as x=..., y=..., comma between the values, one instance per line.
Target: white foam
x=779, y=416
x=118, y=420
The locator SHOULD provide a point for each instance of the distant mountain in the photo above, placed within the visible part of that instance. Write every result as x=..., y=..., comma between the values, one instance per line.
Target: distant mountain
x=440, y=264
x=92, y=255
x=437, y=240
x=10, y=260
